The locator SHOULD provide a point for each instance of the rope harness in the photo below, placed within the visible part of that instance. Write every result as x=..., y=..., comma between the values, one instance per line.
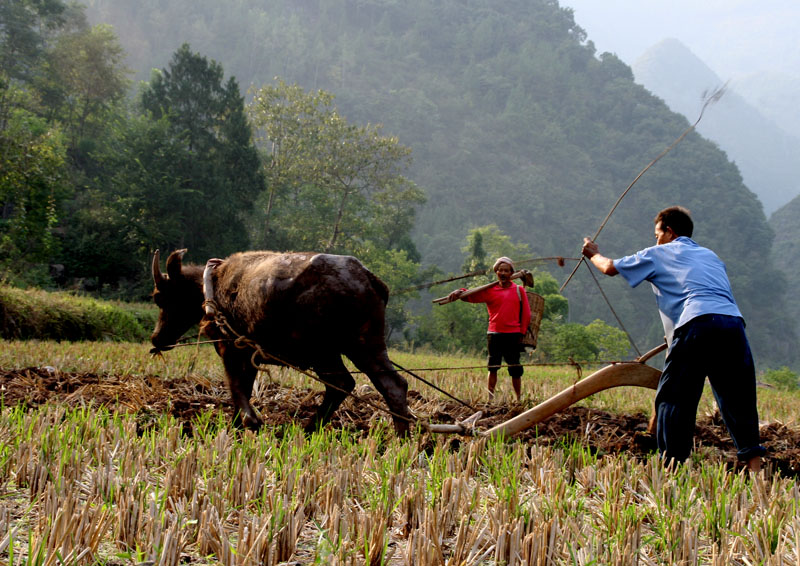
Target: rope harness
x=466, y=427
x=577, y=364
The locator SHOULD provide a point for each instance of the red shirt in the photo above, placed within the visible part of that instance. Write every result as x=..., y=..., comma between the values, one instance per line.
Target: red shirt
x=503, y=306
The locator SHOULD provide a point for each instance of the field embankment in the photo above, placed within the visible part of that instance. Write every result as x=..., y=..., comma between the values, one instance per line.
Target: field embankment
x=35, y=314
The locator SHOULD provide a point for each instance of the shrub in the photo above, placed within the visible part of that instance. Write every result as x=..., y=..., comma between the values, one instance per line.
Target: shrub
x=783, y=378
x=593, y=342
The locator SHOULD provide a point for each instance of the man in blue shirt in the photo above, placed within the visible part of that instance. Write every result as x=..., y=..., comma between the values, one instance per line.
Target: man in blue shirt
x=705, y=334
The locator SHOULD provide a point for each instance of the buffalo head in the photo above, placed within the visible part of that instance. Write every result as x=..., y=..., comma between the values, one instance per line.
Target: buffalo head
x=179, y=296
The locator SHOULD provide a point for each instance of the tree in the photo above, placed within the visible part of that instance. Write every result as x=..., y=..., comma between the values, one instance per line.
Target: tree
x=782, y=378
x=486, y=243
x=218, y=174
x=133, y=207
x=398, y=271
x=335, y=187
x=476, y=255
x=331, y=185
x=85, y=78
x=32, y=184
x=24, y=33
x=184, y=173
x=556, y=306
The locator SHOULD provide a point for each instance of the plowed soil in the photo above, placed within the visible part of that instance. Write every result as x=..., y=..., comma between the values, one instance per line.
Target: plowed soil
x=150, y=397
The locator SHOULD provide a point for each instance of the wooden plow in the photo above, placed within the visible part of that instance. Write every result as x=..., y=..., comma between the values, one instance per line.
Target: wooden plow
x=635, y=373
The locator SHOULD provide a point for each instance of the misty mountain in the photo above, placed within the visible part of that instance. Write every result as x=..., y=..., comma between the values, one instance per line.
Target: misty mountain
x=786, y=254
x=775, y=95
x=513, y=119
x=766, y=154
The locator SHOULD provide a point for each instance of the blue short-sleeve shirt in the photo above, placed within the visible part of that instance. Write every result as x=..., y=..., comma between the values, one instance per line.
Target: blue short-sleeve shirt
x=688, y=281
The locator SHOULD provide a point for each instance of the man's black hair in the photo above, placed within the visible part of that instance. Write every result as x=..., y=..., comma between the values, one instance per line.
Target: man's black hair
x=678, y=218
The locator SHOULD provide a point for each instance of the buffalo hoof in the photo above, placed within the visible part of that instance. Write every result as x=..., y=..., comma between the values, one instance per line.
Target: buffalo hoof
x=249, y=422
x=401, y=428
x=312, y=425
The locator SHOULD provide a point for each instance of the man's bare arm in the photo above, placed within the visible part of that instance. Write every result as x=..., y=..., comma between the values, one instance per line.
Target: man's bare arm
x=604, y=264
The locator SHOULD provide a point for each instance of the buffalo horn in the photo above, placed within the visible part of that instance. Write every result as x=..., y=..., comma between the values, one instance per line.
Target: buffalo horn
x=157, y=277
x=174, y=262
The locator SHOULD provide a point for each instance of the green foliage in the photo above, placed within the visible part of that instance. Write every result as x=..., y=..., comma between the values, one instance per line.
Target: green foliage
x=558, y=342
x=185, y=174
x=476, y=254
x=84, y=80
x=24, y=34
x=135, y=208
x=786, y=257
x=783, y=378
x=454, y=327
x=556, y=305
x=398, y=271
x=596, y=341
x=332, y=185
x=32, y=183
x=611, y=342
x=486, y=243
x=33, y=314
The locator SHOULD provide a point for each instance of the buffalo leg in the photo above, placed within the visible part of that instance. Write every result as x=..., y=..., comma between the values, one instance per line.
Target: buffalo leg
x=332, y=371
x=389, y=383
x=240, y=374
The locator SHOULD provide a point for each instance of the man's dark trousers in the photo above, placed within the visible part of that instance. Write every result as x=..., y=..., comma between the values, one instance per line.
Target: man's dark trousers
x=716, y=346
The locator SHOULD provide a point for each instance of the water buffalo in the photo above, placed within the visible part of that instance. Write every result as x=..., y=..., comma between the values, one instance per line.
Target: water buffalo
x=306, y=309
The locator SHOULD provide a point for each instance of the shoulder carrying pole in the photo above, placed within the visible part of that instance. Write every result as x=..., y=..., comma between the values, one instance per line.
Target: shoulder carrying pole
x=522, y=273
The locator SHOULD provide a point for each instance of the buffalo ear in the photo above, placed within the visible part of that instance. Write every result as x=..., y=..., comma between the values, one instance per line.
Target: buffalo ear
x=174, y=264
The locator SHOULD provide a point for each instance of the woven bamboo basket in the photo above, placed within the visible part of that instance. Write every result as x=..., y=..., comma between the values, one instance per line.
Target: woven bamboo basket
x=536, y=303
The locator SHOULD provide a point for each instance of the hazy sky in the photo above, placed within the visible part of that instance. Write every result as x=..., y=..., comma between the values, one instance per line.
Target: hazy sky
x=733, y=37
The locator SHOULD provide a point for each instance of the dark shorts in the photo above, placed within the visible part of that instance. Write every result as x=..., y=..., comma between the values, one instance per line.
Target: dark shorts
x=505, y=346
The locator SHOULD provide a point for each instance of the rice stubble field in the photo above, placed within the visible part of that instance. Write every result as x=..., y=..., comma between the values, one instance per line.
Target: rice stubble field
x=109, y=456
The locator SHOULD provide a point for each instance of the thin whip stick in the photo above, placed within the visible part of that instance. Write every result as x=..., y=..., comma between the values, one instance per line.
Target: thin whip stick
x=710, y=99
x=619, y=320
x=558, y=259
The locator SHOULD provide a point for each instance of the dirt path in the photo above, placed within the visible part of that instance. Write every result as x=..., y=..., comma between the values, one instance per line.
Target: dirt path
x=149, y=397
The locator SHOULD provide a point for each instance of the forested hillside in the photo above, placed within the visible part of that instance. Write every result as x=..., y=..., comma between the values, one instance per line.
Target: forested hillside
x=786, y=255
x=513, y=119
x=510, y=115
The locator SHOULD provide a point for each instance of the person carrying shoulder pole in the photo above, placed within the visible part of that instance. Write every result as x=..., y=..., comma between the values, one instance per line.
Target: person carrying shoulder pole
x=705, y=333
x=509, y=317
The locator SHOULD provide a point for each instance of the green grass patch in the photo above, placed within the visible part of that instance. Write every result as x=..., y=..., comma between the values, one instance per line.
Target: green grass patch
x=34, y=314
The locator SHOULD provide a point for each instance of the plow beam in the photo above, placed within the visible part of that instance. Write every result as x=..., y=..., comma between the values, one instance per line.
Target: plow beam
x=616, y=375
